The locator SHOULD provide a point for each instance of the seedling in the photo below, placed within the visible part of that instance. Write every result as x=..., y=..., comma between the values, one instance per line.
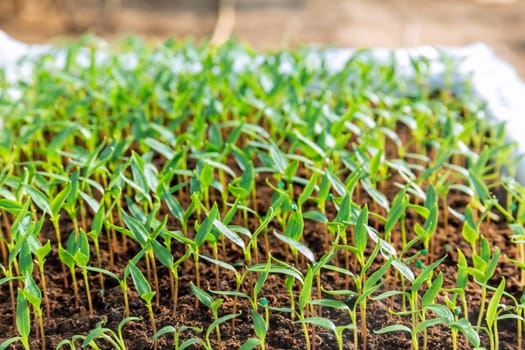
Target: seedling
x=287, y=175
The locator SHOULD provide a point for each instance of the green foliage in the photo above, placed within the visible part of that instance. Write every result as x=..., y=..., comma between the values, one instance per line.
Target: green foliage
x=187, y=153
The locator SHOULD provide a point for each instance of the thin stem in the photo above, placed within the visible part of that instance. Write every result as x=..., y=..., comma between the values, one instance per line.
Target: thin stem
x=155, y=278
x=75, y=287
x=482, y=305
x=59, y=240
x=42, y=332
x=88, y=292
x=124, y=288
x=44, y=292
x=362, y=310
x=175, y=279
x=153, y=324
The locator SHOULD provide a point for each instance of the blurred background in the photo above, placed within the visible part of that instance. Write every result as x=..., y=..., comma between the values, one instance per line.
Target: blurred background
x=275, y=24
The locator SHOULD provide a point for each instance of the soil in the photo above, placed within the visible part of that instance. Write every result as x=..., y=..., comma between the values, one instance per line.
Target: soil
x=68, y=320
x=275, y=24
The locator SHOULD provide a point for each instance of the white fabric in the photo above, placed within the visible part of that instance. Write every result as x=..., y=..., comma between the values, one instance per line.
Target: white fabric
x=493, y=79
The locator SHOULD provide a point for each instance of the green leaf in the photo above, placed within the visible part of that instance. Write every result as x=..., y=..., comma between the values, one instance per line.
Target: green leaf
x=442, y=311
x=203, y=297
x=377, y=196
x=98, y=220
x=141, y=283
x=305, y=295
x=479, y=187
x=23, y=319
x=319, y=321
x=248, y=177
x=280, y=162
x=96, y=333
x=41, y=201
x=484, y=249
x=206, y=226
x=337, y=185
x=137, y=170
x=360, y=232
x=9, y=341
x=250, y=344
x=259, y=325
x=469, y=233
x=160, y=148
x=315, y=215
x=477, y=274
x=308, y=190
x=43, y=251
x=374, y=164
x=105, y=272
x=25, y=258
x=83, y=243
x=164, y=330
x=494, y=302
x=299, y=246
x=422, y=277
x=215, y=305
x=137, y=229
x=295, y=226
x=424, y=212
x=493, y=263
x=219, y=321
x=465, y=327
x=190, y=342
x=310, y=144
x=72, y=195
x=10, y=206
x=173, y=205
x=66, y=257
x=124, y=322
x=205, y=175
x=399, y=206
x=429, y=323
x=462, y=275
x=232, y=236
x=371, y=281
x=152, y=177
x=220, y=263
x=91, y=202
x=403, y=269
x=58, y=202
x=31, y=292
x=291, y=169
x=393, y=328
x=431, y=293
x=336, y=304
x=343, y=214
x=162, y=254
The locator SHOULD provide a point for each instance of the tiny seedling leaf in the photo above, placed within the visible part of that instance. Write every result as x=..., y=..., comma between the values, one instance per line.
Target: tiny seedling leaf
x=259, y=325
x=431, y=293
x=206, y=226
x=393, y=328
x=250, y=344
x=232, y=236
x=493, y=304
x=203, y=297
x=296, y=245
x=319, y=321
x=23, y=320
x=141, y=283
x=360, y=232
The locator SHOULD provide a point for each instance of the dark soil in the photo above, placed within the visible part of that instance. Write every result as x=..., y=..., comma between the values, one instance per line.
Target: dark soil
x=68, y=320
